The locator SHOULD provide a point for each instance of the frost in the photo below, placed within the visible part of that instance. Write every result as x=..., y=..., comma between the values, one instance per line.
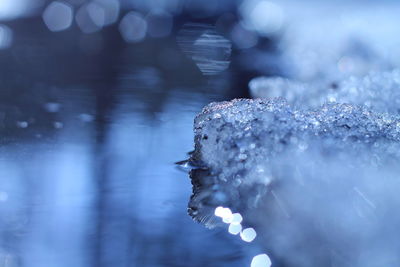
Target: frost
x=318, y=184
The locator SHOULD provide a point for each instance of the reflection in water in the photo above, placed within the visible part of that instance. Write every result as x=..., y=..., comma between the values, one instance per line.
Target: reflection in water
x=88, y=143
x=50, y=193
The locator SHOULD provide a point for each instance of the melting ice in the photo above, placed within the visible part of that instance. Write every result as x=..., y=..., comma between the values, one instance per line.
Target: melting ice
x=317, y=186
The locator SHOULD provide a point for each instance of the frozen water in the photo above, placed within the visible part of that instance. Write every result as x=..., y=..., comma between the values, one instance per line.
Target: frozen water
x=232, y=134
x=318, y=185
x=380, y=91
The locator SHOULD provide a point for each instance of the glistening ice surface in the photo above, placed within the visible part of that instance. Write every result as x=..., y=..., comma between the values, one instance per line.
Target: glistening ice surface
x=319, y=186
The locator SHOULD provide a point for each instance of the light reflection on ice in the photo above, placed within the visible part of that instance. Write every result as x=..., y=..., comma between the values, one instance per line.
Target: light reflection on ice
x=234, y=228
x=261, y=260
x=248, y=235
x=228, y=218
x=223, y=212
x=237, y=218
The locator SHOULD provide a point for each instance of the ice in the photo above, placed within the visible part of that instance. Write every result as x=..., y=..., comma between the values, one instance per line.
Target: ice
x=317, y=184
x=226, y=131
x=380, y=91
x=312, y=166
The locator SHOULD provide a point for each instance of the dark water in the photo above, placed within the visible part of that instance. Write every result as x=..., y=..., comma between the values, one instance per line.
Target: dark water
x=90, y=129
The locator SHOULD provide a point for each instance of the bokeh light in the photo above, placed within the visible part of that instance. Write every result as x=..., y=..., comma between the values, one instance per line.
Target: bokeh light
x=133, y=27
x=261, y=260
x=265, y=17
x=6, y=36
x=58, y=16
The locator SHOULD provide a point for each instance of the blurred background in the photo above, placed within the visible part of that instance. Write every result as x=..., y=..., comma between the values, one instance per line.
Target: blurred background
x=97, y=100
